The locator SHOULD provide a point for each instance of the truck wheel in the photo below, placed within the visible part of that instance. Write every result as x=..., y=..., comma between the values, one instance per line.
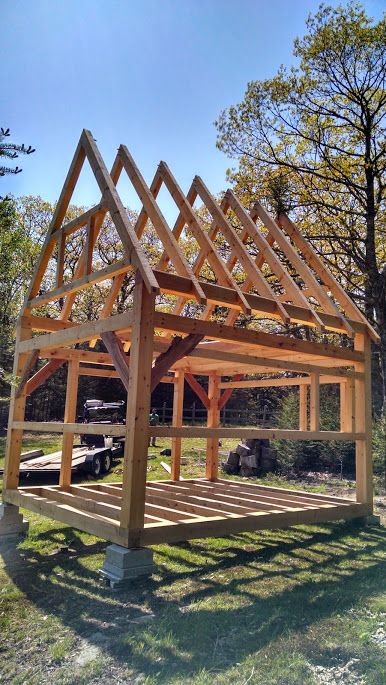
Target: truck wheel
x=106, y=462
x=96, y=466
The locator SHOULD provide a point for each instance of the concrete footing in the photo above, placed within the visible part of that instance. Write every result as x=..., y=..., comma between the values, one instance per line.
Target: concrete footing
x=123, y=565
x=370, y=520
x=12, y=522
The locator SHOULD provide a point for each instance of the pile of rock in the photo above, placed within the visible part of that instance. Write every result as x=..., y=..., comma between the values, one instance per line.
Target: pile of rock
x=251, y=458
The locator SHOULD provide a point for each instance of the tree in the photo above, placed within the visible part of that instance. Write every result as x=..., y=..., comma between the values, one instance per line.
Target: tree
x=11, y=151
x=321, y=126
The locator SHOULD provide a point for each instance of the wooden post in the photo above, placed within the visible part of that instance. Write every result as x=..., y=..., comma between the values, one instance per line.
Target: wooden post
x=137, y=417
x=16, y=413
x=347, y=405
x=69, y=417
x=178, y=407
x=303, y=397
x=363, y=419
x=213, y=422
x=314, y=402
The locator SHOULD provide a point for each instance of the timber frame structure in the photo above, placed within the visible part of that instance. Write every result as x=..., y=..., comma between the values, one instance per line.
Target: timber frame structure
x=300, y=290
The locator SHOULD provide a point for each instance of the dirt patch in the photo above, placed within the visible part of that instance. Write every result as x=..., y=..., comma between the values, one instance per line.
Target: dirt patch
x=338, y=675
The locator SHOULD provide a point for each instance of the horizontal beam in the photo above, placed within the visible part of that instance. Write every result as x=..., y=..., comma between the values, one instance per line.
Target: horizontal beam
x=277, y=382
x=247, y=336
x=156, y=533
x=185, y=431
x=222, y=295
x=110, y=271
x=263, y=433
x=70, y=336
x=89, y=522
x=71, y=226
x=111, y=373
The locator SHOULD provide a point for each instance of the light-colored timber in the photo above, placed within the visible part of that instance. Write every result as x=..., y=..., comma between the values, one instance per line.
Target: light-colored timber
x=196, y=339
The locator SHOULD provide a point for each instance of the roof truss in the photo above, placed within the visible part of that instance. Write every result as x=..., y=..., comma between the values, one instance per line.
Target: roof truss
x=305, y=299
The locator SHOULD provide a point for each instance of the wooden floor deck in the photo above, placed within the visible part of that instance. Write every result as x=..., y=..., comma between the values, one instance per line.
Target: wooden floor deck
x=177, y=511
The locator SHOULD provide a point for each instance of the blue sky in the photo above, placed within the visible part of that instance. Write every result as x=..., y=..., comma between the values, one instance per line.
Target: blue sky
x=153, y=74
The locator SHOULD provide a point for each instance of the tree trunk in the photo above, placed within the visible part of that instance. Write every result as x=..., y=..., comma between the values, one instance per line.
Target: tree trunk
x=375, y=304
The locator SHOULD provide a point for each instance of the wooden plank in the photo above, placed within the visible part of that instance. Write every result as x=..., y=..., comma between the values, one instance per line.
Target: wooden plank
x=57, y=219
x=238, y=248
x=166, y=236
x=60, y=261
x=137, y=416
x=198, y=389
x=314, y=403
x=363, y=424
x=255, y=498
x=99, y=219
x=16, y=413
x=268, y=433
x=89, y=246
x=213, y=422
x=277, y=382
x=120, y=267
x=133, y=249
x=69, y=417
x=29, y=365
x=179, y=348
x=120, y=359
x=215, y=331
x=109, y=301
x=94, y=524
x=301, y=267
x=186, y=431
x=44, y=323
x=217, y=526
x=227, y=394
x=83, y=501
x=71, y=226
x=347, y=405
x=178, y=407
x=207, y=246
x=81, y=333
x=283, y=492
x=43, y=374
x=219, y=500
x=269, y=256
x=217, y=294
x=303, y=401
x=327, y=278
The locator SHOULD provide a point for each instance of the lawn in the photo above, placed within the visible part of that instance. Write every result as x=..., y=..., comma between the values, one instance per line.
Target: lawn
x=304, y=606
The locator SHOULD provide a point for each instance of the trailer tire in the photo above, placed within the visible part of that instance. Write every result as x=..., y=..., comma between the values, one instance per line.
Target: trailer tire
x=96, y=466
x=106, y=462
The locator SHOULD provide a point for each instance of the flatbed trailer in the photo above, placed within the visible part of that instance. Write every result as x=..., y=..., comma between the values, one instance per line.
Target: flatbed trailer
x=94, y=461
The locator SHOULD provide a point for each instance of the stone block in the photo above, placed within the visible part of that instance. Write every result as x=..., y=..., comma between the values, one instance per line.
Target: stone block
x=12, y=522
x=242, y=450
x=233, y=459
x=123, y=565
x=268, y=460
x=230, y=469
x=250, y=461
x=248, y=472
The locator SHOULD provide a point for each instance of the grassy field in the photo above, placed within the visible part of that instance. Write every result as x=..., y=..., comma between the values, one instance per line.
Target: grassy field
x=305, y=606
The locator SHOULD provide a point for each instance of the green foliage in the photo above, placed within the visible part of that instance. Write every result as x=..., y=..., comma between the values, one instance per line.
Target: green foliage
x=316, y=132
x=11, y=151
x=379, y=447
x=336, y=457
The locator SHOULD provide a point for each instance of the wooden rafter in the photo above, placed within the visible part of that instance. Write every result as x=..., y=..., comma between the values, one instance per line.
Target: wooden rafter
x=327, y=278
x=154, y=213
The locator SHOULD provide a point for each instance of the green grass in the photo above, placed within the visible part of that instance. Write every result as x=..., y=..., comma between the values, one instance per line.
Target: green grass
x=269, y=608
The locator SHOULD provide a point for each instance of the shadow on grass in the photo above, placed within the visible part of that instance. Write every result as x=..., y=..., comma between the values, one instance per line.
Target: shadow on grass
x=214, y=602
